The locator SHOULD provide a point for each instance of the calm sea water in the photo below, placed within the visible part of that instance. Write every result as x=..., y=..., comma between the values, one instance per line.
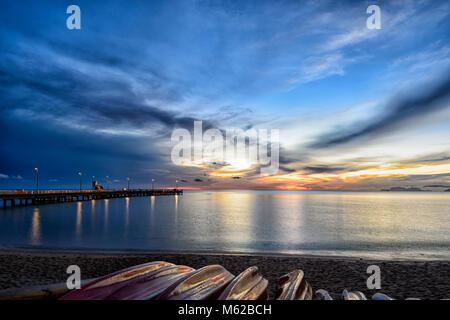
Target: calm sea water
x=388, y=225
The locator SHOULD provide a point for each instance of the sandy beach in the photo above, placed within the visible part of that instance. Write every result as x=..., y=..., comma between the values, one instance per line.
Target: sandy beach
x=399, y=279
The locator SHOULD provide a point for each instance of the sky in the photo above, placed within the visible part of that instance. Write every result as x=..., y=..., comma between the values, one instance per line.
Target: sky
x=356, y=108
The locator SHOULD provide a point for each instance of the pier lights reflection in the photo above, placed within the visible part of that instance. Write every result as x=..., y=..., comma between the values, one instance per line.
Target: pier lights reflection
x=35, y=235
x=176, y=209
x=152, y=209
x=106, y=213
x=79, y=219
x=127, y=213
x=93, y=203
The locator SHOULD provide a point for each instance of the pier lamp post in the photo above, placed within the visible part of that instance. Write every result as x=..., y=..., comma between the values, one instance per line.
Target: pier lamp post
x=37, y=179
x=80, y=174
x=153, y=183
x=107, y=182
x=128, y=183
x=176, y=184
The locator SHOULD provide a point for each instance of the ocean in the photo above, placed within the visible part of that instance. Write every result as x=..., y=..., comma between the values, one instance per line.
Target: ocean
x=379, y=225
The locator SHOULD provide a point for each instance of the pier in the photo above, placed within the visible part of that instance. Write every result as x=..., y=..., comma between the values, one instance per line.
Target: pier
x=25, y=197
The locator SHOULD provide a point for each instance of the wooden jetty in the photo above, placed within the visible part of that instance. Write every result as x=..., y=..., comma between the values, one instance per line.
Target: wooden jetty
x=25, y=197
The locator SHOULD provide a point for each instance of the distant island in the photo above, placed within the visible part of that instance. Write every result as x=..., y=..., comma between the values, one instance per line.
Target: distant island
x=404, y=189
x=441, y=186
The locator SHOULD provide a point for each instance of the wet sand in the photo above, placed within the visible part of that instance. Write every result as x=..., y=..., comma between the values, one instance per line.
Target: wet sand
x=399, y=279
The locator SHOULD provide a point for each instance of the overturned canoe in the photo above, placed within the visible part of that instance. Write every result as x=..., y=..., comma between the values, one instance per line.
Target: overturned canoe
x=162, y=280
x=150, y=286
x=103, y=287
x=206, y=283
x=293, y=286
x=353, y=295
x=249, y=285
x=40, y=292
x=322, y=294
x=381, y=296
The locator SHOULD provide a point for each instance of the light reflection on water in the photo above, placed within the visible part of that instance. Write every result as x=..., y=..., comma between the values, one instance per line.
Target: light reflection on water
x=379, y=224
x=152, y=211
x=127, y=213
x=35, y=238
x=106, y=213
x=79, y=220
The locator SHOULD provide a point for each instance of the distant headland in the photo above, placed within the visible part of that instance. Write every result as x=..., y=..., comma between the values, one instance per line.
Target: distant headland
x=403, y=189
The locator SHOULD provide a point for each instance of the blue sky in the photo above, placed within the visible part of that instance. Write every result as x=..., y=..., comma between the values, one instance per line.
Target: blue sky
x=353, y=105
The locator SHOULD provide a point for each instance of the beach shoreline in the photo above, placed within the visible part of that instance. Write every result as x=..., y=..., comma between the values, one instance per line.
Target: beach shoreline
x=426, y=279
x=360, y=255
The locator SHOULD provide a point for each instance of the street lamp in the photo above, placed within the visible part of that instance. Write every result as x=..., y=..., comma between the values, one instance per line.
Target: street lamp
x=37, y=179
x=176, y=184
x=128, y=183
x=153, y=183
x=80, y=174
x=107, y=182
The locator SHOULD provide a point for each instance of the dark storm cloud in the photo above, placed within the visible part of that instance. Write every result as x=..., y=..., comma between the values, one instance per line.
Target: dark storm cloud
x=99, y=101
x=289, y=157
x=431, y=178
x=38, y=141
x=51, y=113
x=433, y=158
x=198, y=180
x=323, y=169
x=398, y=111
x=283, y=159
x=286, y=169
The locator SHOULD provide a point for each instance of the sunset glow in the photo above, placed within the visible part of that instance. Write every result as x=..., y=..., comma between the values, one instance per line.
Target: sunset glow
x=354, y=108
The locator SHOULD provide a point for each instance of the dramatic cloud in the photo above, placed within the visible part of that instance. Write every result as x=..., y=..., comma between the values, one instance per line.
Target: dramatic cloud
x=398, y=111
x=104, y=99
x=433, y=158
x=90, y=100
x=323, y=169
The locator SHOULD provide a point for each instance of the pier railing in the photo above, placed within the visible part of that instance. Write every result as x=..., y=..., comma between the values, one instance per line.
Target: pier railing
x=27, y=197
x=14, y=192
